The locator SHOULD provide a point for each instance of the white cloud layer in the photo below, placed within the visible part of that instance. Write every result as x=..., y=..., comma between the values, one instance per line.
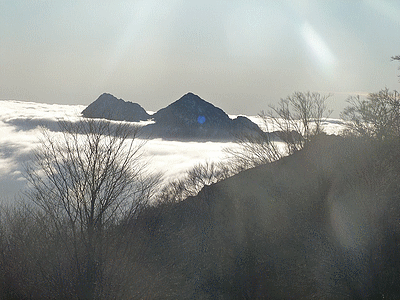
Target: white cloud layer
x=20, y=133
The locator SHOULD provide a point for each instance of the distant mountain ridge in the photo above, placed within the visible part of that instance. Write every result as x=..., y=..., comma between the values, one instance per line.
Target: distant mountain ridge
x=191, y=110
x=189, y=117
x=109, y=107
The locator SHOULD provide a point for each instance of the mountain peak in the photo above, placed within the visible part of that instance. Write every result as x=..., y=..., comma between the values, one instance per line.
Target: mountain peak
x=191, y=97
x=189, y=117
x=188, y=109
x=107, y=106
x=106, y=95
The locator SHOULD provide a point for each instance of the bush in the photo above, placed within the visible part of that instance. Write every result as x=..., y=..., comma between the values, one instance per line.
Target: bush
x=377, y=116
x=294, y=121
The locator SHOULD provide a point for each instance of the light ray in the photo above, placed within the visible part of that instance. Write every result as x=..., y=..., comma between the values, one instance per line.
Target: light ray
x=320, y=50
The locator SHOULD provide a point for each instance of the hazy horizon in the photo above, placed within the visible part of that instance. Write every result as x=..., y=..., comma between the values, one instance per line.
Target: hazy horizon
x=239, y=55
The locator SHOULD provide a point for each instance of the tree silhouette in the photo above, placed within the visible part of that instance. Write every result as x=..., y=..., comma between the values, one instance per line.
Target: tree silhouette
x=85, y=181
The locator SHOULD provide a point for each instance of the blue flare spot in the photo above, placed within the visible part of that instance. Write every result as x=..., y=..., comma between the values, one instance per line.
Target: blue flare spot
x=201, y=119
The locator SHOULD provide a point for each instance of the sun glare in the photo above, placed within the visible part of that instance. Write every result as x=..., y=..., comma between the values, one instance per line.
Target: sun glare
x=319, y=49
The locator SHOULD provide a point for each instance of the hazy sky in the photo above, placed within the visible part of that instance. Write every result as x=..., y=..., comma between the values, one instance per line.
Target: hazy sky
x=239, y=55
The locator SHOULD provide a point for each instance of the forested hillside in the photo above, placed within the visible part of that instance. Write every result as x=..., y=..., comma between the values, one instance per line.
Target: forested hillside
x=317, y=221
x=322, y=223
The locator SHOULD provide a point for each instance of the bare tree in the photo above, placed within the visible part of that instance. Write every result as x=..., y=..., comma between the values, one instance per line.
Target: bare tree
x=194, y=180
x=298, y=118
x=377, y=116
x=396, y=57
x=86, y=180
x=294, y=121
x=253, y=150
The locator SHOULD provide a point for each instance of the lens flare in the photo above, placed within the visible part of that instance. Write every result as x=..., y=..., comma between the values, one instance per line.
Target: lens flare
x=201, y=119
x=319, y=49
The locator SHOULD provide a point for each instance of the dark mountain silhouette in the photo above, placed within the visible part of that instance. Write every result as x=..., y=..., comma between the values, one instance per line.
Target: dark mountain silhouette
x=322, y=223
x=242, y=123
x=189, y=118
x=190, y=110
x=109, y=107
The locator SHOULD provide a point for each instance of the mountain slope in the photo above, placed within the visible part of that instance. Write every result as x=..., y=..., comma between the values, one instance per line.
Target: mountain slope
x=191, y=117
x=188, y=118
x=322, y=223
x=190, y=110
x=109, y=107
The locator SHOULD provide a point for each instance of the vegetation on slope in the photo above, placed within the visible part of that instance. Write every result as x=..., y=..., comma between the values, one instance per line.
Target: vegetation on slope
x=320, y=223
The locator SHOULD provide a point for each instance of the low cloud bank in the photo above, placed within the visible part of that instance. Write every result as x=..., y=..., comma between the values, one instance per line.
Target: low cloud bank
x=20, y=124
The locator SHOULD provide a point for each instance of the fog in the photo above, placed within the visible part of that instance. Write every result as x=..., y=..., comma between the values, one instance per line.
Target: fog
x=20, y=125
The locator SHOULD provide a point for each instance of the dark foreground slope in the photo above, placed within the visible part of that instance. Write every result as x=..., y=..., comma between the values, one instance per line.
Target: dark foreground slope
x=320, y=224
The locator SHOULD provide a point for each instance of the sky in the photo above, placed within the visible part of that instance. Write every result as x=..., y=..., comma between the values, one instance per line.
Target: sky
x=240, y=55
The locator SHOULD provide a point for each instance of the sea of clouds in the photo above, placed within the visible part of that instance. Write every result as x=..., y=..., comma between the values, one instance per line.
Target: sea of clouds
x=21, y=128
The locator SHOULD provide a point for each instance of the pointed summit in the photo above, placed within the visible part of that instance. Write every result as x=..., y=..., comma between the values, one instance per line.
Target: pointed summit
x=190, y=110
x=109, y=107
x=190, y=94
x=191, y=117
x=188, y=118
